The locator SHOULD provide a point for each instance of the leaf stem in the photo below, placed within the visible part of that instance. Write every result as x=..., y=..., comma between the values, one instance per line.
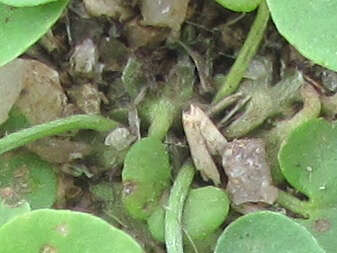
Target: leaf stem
x=162, y=118
x=294, y=204
x=174, y=211
x=31, y=134
x=246, y=53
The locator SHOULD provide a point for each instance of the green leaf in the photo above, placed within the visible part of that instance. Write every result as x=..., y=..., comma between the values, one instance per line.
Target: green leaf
x=323, y=226
x=22, y=27
x=206, y=208
x=146, y=173
x=49, y=230
x=266, y=232
x=308, y=160
x=309, y=26
x=8, y=212
x=239, y=5
x=22, y=3
x=197, y=224
x=29, y=177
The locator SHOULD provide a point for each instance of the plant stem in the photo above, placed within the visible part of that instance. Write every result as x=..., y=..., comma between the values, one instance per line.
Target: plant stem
x=246, y=53
x=31, y=134
x=294, y=204
x=174, y=211
x=162, y=118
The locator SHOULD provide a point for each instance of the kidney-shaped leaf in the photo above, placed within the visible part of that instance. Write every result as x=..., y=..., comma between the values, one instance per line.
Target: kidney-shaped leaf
x=47, y=230
x=309, y=26
x=22, y=27
x=308, y=160
x=266, y=232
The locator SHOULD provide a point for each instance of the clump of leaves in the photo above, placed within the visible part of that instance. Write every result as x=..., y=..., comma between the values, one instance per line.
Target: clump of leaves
x=49, y=230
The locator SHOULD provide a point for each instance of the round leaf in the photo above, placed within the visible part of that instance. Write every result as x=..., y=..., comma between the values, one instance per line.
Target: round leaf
x=308, y=160
x=29, y=177
x=21, y=3
x=198, y=223
x=49, y=230
x=239, y=5
x=266, y=232
x=146, y=173
x=309, y=26
x=22, y=27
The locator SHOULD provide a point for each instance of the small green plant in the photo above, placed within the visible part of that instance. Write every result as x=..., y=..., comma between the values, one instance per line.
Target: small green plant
x=185, y=218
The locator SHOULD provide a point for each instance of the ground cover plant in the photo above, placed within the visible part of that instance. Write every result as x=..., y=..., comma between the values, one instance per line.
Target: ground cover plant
x=176, y=126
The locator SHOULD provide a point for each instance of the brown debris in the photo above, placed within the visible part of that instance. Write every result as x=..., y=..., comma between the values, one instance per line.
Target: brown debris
x=249, y=177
